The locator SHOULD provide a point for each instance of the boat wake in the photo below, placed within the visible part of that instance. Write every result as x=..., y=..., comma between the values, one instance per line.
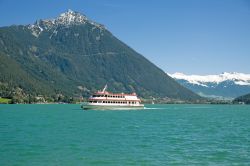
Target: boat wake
x=150, y=108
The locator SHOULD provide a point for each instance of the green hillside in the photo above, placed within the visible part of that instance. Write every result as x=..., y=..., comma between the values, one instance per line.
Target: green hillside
x=76, y=59
x=243, y=99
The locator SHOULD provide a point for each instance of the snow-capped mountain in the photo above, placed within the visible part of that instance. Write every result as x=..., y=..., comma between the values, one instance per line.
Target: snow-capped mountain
x=225, y=85
x=57, y=56
x=65, y=19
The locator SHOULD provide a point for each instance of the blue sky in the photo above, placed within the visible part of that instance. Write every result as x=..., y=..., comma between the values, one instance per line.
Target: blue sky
x=189, y=36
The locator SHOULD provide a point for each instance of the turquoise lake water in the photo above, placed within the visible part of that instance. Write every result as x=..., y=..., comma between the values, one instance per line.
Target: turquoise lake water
x=159, y=135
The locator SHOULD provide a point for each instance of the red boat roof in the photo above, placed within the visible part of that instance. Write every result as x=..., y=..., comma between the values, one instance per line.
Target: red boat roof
x=112, y=100
x=114, y=94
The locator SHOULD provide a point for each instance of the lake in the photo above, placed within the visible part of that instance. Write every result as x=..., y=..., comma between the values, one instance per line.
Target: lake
x=63, y=134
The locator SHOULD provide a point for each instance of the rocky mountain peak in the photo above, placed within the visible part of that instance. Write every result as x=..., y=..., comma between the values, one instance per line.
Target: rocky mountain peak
x=66, y=19
x=71, y=17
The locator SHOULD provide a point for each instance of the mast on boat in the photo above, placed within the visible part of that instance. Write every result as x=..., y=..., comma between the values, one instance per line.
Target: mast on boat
x=104, y=89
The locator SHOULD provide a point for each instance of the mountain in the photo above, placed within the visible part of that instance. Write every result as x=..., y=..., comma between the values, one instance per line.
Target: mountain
x=225, y=85
x=243, y=99
x=72, y=56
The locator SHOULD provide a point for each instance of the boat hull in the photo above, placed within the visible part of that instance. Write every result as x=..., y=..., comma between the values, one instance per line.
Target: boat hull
x=111, y=107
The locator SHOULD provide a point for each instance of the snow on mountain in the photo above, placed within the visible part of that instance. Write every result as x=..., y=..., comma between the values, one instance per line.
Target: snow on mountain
x=71, y=17
x=65, y=19
x=225, y=85
x=237, y=78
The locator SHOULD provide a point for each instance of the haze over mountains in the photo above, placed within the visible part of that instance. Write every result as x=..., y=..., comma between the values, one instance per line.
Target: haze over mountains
x=74, y=56
x=225, y=85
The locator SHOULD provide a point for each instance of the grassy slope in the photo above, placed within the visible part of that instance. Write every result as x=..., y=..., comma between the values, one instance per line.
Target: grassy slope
x=4, y=100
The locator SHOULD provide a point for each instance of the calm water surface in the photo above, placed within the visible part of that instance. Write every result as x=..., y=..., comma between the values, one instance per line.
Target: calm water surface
x=158, y=135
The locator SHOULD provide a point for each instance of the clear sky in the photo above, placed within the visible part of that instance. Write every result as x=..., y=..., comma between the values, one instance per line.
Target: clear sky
x=189, y=36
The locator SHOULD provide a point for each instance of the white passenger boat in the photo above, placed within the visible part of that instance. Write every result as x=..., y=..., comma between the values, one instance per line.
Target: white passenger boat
x=104, y=100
